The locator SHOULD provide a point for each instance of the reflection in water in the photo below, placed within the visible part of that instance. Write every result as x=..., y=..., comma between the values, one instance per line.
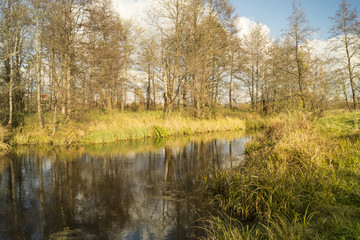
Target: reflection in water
x=127, y=191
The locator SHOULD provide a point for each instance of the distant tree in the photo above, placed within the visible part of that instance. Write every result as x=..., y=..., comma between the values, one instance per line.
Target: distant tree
x=256, y=45
x=148, y=63
x=235, y=62
x=128, y=41
x=14, y=27
x=346, y=28
x=39, y=19
x=297, y=33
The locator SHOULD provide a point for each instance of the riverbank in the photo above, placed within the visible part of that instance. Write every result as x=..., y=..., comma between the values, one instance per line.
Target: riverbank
x=300, y=181
x=107, y=127
x=125, y=183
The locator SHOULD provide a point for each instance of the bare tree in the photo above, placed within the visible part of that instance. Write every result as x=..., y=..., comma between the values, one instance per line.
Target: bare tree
x=15, y=25
x=256, y=45
x=298, y=32
x=346, y=27
x=38, y=19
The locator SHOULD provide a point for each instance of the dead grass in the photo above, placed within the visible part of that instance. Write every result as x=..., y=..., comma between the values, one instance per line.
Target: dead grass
x=107, y=127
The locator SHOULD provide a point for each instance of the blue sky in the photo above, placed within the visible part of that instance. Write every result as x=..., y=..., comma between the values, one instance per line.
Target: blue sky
x=274, y=13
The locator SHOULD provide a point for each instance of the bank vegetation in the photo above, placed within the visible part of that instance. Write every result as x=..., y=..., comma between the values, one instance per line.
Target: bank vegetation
x=299, y=181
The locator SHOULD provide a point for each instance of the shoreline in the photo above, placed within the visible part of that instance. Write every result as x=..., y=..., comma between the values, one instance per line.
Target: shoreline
x=113, y=127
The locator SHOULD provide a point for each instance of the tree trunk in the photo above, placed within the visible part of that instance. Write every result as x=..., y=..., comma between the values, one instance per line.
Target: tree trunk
x=122, y=92
x=197, y=96
x=38, y=67
x=166, y=98
x=180, y=98
x=346, y=97
x=349, y=68
x=148, y=89
x=252, y=97
x=257, y=88
x=56, y=95
x=300, y=76
x=231, y=79
x=164, y=78
x=11, y=91
x=108, y=95
x=68, y=59
x=68, y=87
x=154, y=90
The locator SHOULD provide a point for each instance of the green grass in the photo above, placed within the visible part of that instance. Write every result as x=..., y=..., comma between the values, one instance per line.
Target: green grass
x=300, y=181
x=340, y=124
x=107, y=127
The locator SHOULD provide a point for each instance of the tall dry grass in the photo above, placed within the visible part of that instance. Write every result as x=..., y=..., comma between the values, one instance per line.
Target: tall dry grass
x=300, y=181
x=106, y=127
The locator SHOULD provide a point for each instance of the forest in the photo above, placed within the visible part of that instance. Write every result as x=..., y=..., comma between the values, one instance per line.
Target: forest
x=67, y=57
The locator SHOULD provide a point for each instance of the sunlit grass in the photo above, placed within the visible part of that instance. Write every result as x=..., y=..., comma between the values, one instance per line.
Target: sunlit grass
x=339, y=124
x=300, y=181
x=106, y=127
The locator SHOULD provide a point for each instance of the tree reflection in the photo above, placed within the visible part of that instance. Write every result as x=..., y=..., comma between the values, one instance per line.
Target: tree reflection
x=150, y=194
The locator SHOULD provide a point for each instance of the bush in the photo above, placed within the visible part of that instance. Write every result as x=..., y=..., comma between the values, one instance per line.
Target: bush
x=3, y=137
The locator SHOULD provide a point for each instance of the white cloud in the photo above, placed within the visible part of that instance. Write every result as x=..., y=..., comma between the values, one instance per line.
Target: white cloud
x=331, y=48
x=136, y=11
x=132, y=9
x=245, y=25
x=320, y=48
x=333, y=51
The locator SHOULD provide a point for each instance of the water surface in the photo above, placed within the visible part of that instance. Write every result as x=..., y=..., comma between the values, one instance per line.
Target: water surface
x=139, y=190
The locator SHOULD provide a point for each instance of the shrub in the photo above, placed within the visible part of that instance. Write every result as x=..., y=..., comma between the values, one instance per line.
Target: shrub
x=3, y=137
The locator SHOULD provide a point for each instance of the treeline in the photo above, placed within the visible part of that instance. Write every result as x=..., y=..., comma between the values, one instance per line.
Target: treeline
x=70, y=55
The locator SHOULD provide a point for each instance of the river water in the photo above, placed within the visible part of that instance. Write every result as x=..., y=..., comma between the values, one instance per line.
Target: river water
x=140, y=190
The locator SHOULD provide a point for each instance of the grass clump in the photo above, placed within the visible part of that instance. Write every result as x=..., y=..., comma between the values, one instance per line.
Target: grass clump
x=160, y=132
x=298, y=182
x=28, y=132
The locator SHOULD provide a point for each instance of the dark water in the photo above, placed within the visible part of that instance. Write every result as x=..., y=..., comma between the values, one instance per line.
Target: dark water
x=142, y=190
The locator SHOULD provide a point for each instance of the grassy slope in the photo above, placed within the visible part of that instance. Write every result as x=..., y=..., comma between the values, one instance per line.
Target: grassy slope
x=106, y=127
x=301, y=181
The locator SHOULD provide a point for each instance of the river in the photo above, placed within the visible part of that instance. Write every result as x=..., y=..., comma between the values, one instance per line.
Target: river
x=147, y=189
